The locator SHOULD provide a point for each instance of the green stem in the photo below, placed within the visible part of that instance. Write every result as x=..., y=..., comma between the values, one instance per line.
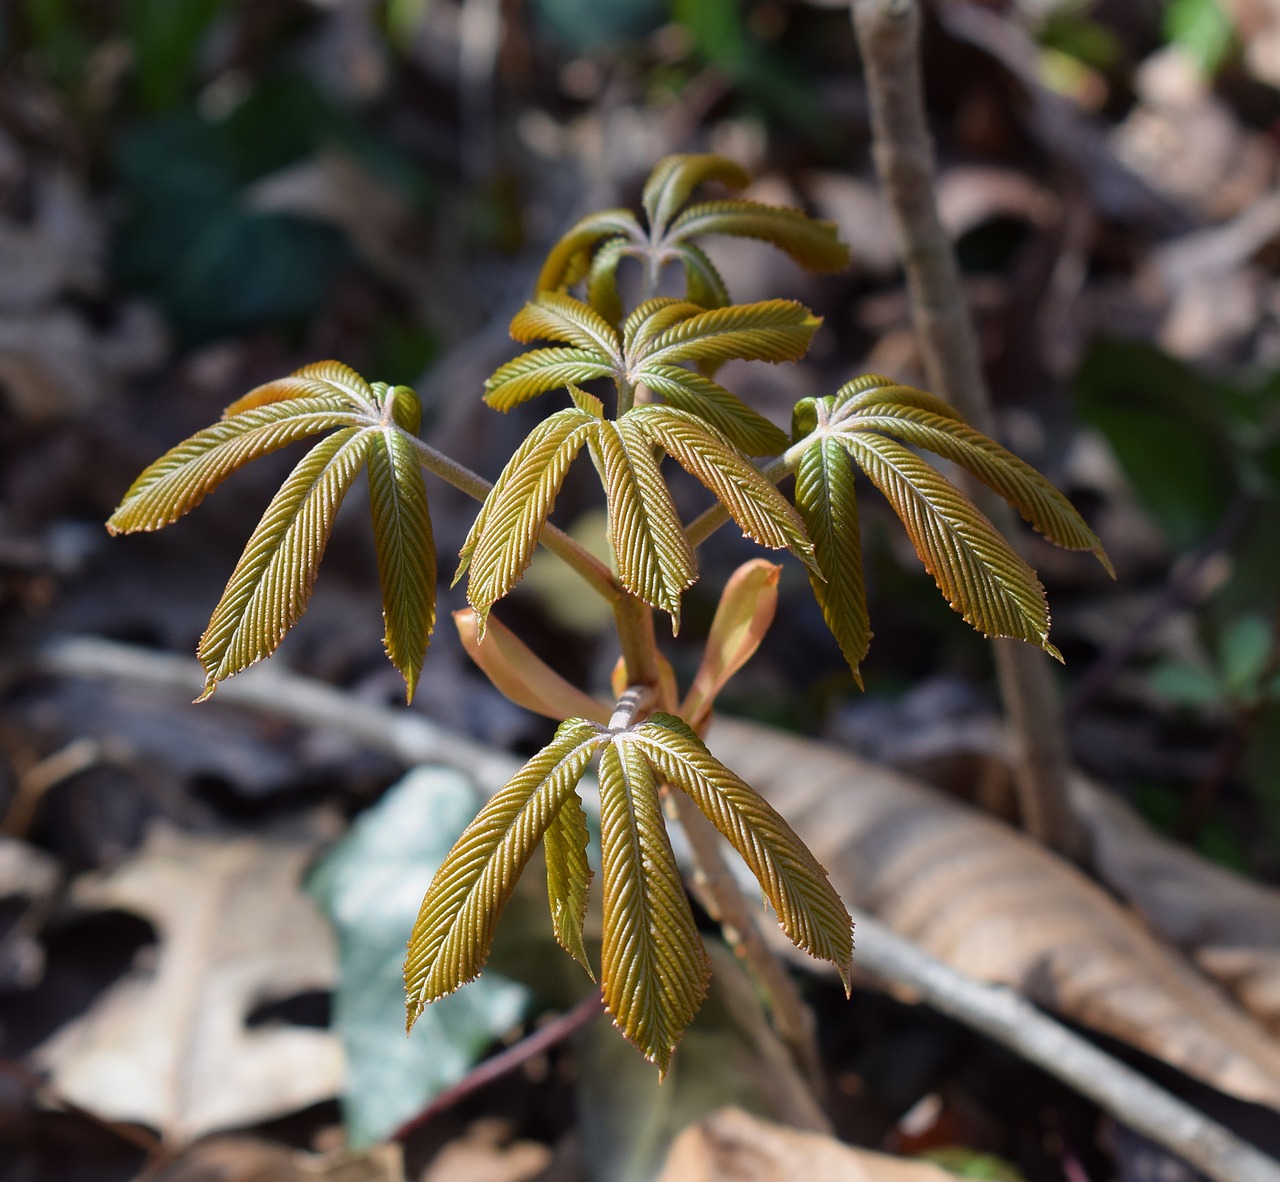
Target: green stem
x=597, y=576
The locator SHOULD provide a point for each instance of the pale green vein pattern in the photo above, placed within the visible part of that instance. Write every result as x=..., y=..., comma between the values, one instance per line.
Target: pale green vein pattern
x=569, y=877
x=555, y=317
x=674, y=179
x=653, y=968
x=320, y=377
x=269, y=589
x=812, y=243
x=565, y=263
x=745, y=428
x=772, y=330
x=540, y=370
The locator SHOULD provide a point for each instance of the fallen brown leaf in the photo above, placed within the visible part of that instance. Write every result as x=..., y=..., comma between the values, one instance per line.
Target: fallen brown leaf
x=998, y=907
x=168, y=1047
x=733, y=1146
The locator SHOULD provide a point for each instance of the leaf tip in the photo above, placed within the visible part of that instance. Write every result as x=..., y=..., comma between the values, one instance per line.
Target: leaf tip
x=1052, y=650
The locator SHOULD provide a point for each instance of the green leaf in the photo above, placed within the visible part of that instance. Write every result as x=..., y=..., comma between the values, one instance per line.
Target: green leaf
x=813, y=244
x=652, y=318
x=772, y=330
x=602, y=278
x=270, y=586
x=655, y=561
x=674, y=179
x=827, y=501
x=871, y=391
x=760, y=510
x=370, y=885
x=506, y=530
x=569, y=878
x=796, y=886
x=455, y=925
x=566, y=264
x=653, y=968
x=1020, y=484
x=555, y=317
x=748, y=430
x=406, y=551
x=703, y=284
x=975, y=568
x=181, y=478
x=319, y=379
x=540, y=370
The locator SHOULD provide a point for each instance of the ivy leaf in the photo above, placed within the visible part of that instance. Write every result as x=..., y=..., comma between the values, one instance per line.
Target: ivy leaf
x=796, y=886
x=556, y=317
x=828, y=505
x=540, y=370
x=703, y=284
x=569, y=878
x=655, y=561
x=454, y=929
x=505, y=532
x=566, y=261
x=772, y=330
x=270, y=586
x=813, y=244
x=319, y=379
x=675, y=177
x=181, y=478
x=1017, y=482
x=975, y=568
x=653, y=968
x=760, y=510
x=748, y=430
x=406, y=551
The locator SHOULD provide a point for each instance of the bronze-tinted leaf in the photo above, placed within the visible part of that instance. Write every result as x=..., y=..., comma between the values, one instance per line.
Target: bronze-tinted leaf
x=655, y=561
x=540, y=370
x=772, y=330
x=181, y=478
x=871, y=391
x=319, y=379
x=564, y=263
x=650, y=319
x=813, y=244
x=828, y=504
x=454, y=929
x=703, y=284
x=269, y=589
x=653, y=968
x=974, y=567
x=747, y=429
x=675, y=177
x=806, y=904
x=602, y=278
x=552, y=316
x=406, y=551
x=569, y=877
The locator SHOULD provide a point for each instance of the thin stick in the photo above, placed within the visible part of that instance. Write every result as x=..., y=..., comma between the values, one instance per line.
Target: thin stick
x=1012, y=1021
x=888, y=34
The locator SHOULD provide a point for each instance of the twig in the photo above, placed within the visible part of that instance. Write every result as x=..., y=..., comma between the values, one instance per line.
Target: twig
x=1012, y=1021
x=504, y=1062
x=888, y=34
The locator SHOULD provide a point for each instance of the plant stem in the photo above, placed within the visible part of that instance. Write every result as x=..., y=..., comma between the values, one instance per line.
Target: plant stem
x=598, y=576
x=888, y=33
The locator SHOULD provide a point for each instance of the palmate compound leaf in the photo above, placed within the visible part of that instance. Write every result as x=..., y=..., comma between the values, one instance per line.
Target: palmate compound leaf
x=540, y=370
x=181, y=478
x=455, y=926
x=813, y=244
x=675, y=177
x=771, y=330
x=567, y=260
x=796, y=886
x=653, y=967
x=270, y=586
x=551, y=316
x=748, y=430
x=318, y=378
x=505, y=533
x=828, y=505
x=975, y=568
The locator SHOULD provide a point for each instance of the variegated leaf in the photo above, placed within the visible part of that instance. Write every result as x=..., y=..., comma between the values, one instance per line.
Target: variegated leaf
x=653, y=967
x=319, y=379
x=703, y=284
x=553, y=316
x=540, y=370
x=747, y=429
x=828, y=504
x=772, y=330
x=563, y=261
x=796, y=886
x=406, y=551
x=270, y=586
x=655, y=561
x=812, y=243
x=602, y=278
x=674, y=179
x=569, y=878
x=1021, y=485
x=975, y=568
x=505, y=533
x=454, y=929
x=181, y=478
x=760, y=510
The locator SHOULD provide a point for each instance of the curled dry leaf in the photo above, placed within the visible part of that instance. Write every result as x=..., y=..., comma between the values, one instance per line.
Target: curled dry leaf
x=732, y=1146
x=169, y=1047
x=998, y=907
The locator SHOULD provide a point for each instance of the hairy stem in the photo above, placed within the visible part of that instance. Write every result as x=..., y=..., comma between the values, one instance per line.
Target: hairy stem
x=888, y=34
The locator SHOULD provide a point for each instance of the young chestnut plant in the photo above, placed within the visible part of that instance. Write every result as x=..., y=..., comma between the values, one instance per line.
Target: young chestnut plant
x=657, y=363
